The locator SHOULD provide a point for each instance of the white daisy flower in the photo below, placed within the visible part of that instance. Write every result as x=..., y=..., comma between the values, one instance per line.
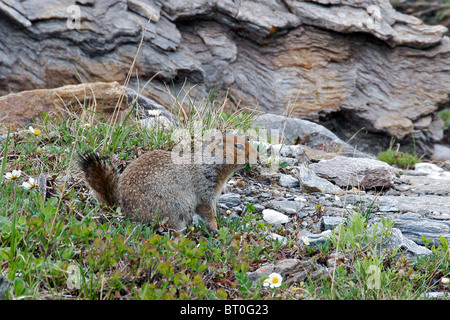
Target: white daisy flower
x=274, y=280
x=13, y=175
x=305, y=240
x=30, y=184
x=34, y=131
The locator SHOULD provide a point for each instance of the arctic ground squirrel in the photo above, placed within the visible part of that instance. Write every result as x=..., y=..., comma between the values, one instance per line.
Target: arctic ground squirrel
x=153, y=186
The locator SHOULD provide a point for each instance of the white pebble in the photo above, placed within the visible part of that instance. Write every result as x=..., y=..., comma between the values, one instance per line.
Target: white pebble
x=274, y=217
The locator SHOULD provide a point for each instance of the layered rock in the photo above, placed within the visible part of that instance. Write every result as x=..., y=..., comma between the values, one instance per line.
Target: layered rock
x=105, y=98
x=386, y=70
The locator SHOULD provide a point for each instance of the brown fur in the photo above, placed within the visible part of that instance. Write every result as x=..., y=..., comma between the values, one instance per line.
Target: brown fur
x=101, y=177
x=152, y=186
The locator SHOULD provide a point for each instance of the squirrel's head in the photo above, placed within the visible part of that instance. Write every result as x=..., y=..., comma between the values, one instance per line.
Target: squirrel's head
x=231, y=149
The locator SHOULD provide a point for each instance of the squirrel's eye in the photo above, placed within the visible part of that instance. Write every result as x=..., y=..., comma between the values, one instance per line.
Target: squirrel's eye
x=239, y=146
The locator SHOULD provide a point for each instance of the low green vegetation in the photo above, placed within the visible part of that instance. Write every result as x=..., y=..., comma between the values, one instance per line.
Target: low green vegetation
x=366, y=271
x=445, y=113
x=58, y=243
x=402, y=160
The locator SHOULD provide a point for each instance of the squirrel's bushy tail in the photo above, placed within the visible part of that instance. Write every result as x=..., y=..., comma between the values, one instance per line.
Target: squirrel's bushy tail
x=101, y=177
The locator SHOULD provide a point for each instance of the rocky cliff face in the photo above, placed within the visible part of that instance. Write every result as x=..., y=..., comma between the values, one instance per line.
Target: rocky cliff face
x=374, y=66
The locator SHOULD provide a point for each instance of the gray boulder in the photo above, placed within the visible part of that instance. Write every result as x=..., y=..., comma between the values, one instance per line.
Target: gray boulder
x=356, y=172
x=288, y=130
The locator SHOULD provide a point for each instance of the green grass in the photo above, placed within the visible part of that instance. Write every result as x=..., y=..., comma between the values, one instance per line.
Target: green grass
x=64, y=245
x=402, y=160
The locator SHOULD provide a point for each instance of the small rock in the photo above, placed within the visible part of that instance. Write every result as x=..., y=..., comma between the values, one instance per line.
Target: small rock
x=238, y=209
x=432, y=170
x=318, y=239
x=230, y=199
x=402, y=188
x=310, y=182
x=286, y=266
x=263, y=270
x=334, y=259
x=441, y=217
x=288, y=181
x=289, y=161
x=258, y=207
x=434, y=295
x=4, y=285
x=388, y=209
x=223, y=206
x=338, y=202
x=440, y=153
x=276, y=236
x=401, y=180
x=291, y=270
x=286, y=206
x=269, y=173
x=274, y=217
x=291, y=151
x=411, y=249
x=328, y=223
x=296, y=271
